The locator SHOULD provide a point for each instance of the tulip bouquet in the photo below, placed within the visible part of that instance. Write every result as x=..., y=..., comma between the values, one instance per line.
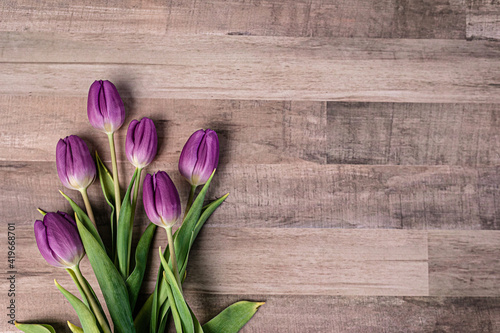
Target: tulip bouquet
x=64, y=239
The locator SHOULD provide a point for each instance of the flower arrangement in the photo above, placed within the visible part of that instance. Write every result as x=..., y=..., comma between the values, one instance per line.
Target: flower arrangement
x=63, y=240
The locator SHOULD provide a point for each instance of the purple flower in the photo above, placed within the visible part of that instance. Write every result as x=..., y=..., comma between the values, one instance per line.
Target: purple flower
x=105, y=107
x=161, y=199
x=58, y=240
x=75, y=165
x=199, y=157
x=141, y=144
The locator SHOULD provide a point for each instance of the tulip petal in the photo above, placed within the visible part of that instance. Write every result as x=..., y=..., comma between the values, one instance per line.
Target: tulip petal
x=148, y=197
x=94, y=114
x=168, y=202
x=208, y=158
x=75, y=166
x=189, y=154
x=63, y=239
x=43, y=244
x=61, y=163
x=130, y=140
x=105, y=108
x=142, y=142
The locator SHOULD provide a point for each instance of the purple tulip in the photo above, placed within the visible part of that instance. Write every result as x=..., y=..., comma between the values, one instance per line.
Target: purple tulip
x=58, y=240
x=105, y=107
x=199, y=157
x=75, y=165
x=161, y=199
x=141, y=144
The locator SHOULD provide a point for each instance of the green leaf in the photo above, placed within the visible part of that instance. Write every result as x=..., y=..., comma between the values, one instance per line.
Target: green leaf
x=74, y=328
x=233, y=318
x=183, y=234
x=143, y=318
x=111, y=282
x=180, y=302
x=183, y=239
x=87, y=318
x=172, y=306
x=35, y=328
x=106, y=179
x=77, y=283
x=123, y=234
x=197, y=326
x=82, y=216
x=206, y=213
x=134, y=281
x=108, y=189
x=41, y=211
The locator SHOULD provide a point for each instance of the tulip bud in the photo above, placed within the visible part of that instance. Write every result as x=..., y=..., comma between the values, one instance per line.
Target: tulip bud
x=199, y=157
x=161, y=199
x=75, y=165
x=105, y=107
x=141, y=144
x=58, y=240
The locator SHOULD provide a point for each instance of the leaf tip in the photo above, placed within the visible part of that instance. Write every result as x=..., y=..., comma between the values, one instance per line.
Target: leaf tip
x=41, y=211
x=259, y=304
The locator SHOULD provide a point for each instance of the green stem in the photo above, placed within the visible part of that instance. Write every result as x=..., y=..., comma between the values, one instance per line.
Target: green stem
x=91, y=299
x=134, y=205
x=173, y=257
x=88, y=207
x=118, y=203
x=190, y=199
x=118, y=198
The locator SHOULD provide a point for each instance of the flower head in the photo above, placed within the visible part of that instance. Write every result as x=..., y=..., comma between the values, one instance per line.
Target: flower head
x=75, y=165
x=161, y=199
x=105, y=108
x=199, y=157
x=58, y=240
x=141, y=144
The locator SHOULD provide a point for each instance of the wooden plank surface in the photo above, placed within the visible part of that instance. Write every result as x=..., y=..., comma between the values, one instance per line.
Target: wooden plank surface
x=248, y=67
x=416, y=134
x=359, y=144
x=458, y=265
x=482, y=19
x=286, y=195
x=318, y=18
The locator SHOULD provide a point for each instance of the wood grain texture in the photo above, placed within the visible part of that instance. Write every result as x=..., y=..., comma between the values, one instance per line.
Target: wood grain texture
x=302, y=313
x=483, y=19
x=351, y=262
x=284, y=196
x=359, y=144
x=246, y=67
x=463, y=263
x=249, y=131
x=318, y=18
x=342, y=262
x=342, y=314
x=416, y=134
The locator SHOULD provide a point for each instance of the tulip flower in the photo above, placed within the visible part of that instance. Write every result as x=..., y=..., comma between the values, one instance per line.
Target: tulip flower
x=141, y=144
x=199, y=157
x=75, y=167
x=58, y=240
x=105, y=108
x=161, y=199
x=163, y=207
x=60, y=244
x=106, y=113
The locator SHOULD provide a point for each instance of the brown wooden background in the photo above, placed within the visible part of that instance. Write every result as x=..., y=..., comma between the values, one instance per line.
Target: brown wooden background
x=359, y=142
